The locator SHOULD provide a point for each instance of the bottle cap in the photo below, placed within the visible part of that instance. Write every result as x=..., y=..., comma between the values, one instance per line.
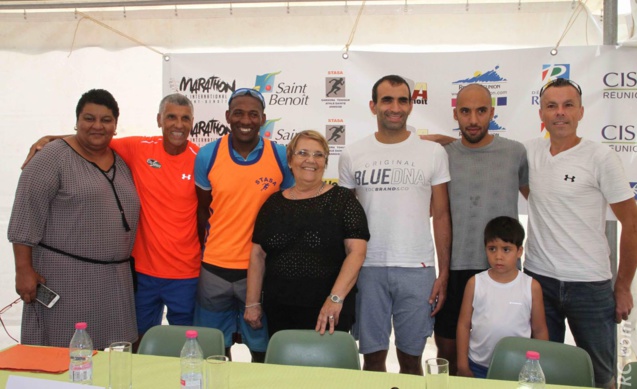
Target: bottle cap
x=534, y=355
x=80, y=326
x=190, y=334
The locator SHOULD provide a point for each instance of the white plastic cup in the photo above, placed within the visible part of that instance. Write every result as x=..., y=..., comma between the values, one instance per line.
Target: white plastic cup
x=437, y=373
x=217, y=372
x=120, y=365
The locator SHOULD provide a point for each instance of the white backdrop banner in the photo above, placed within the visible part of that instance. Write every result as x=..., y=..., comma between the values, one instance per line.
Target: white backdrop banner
x=323, y=91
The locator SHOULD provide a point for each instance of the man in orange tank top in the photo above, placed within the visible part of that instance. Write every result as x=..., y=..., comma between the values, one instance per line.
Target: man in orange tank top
x=234, y=175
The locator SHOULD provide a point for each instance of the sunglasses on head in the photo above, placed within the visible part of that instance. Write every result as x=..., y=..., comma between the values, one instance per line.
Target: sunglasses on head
x=561, y=82
x=247, y=91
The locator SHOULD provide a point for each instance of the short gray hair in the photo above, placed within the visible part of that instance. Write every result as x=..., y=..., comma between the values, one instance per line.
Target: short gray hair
x=177, y=99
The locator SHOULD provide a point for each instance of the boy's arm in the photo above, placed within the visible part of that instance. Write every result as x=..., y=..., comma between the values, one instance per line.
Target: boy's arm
x=538, y=318
x=464, y=329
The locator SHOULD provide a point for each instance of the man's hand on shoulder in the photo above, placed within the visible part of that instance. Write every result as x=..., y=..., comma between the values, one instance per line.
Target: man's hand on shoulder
x=438, y=138
x=37, y=146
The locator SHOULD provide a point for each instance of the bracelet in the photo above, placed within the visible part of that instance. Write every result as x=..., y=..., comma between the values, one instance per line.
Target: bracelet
x=253, y=305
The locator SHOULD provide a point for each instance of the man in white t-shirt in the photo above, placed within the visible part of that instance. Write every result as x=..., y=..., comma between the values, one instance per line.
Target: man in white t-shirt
x=397, y=177
x=572, y=180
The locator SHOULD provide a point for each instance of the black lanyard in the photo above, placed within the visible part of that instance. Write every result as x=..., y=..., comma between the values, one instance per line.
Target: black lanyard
x=111, y=181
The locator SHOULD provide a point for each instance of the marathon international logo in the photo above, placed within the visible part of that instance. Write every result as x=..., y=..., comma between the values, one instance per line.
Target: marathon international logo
x=620, y=85
x=492, y=80
x=281, y=93
x=267, y=129
x=198, y=85
x=493, y=125
x=549, y=73
x=203, y=90
x=204, y=131
x=335, y=132
x=620, y=137
x=633, y=186
x=419, y=94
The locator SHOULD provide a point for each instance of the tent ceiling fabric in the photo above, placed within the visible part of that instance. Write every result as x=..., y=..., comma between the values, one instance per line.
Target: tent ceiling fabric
x=52, y=4
x=383, y=26
x=35, y=26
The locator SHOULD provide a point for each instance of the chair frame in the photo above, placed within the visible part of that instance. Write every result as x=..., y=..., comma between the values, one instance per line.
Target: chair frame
x=309, y=348
x=562, y=364
x=168, y=340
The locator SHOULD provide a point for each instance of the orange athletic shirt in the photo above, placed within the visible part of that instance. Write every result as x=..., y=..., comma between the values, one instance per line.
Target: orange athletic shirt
x=166, y=245
x=239, y=188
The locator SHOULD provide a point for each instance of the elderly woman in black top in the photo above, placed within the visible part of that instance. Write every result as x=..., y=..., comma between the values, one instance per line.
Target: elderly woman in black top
x=309, y=244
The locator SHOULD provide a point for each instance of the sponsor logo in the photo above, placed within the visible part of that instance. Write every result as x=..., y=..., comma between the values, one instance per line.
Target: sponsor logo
x=267, y=129
x=335, y=134
x=633, y=186
x=289, y=94
x=209, y=128
x=265, y=183
x=153, y=163
x=206, y=85
x=620, y=137
x=567, y=177
x=185, y=176
x=419, y=95
x=620, y=85
x=492, y=80
x=552, y=71
x=549, y=73
x=265, y=82
x=283, y=136
x=281, y=93
x=335, y=87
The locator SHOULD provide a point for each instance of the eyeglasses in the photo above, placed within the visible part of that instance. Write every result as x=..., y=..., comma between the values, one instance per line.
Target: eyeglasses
x=3, y=310
x=247, y=91
x=306, y=154
x=561, y=82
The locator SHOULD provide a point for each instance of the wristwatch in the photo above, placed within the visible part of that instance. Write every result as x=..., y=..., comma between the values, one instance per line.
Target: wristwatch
x=336, y=299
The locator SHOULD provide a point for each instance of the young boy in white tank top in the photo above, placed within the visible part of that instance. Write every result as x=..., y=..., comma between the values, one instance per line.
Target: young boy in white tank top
x=498, y=302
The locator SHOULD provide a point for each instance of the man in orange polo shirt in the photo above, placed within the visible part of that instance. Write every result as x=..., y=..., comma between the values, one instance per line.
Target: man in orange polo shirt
x=234, y=175
x=167, y=251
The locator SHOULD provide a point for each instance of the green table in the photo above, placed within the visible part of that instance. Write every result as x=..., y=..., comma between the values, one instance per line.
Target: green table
x=151, y=372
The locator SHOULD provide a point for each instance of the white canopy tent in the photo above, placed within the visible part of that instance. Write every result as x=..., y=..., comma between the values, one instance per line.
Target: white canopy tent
x=52, y=51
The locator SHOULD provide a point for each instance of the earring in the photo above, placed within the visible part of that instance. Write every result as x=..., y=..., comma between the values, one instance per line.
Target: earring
x=115, y=133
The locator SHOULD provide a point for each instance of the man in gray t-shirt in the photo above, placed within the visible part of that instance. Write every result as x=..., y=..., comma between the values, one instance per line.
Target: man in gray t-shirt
x=486, y=173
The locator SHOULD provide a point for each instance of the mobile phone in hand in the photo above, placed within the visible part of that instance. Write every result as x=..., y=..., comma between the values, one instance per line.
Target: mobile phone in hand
x=46, y=296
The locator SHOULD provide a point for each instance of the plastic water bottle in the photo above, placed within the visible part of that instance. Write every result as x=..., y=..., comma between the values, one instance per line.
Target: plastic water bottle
x=531, y=375
x=191, y=362
x=81, y=352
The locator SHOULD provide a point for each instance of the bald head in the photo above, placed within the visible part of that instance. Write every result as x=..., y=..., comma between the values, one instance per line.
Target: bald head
x=476, y=87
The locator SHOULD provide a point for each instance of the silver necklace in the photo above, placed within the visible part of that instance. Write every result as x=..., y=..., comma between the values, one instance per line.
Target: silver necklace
x=293, y=189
